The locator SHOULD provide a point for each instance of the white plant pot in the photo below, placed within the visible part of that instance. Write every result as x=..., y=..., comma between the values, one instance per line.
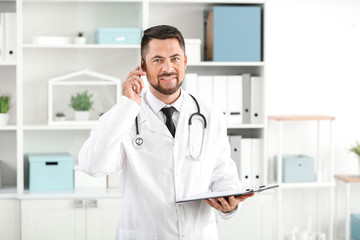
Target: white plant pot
x=81, y=115
x=80, y=40
x=4, y=119
x=60, y=118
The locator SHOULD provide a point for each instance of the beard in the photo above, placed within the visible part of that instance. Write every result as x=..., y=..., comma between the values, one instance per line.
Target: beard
x=167, y=91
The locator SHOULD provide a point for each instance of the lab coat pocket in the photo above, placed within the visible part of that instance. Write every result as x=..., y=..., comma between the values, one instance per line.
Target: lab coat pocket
x=124, y=234
x=209, y=231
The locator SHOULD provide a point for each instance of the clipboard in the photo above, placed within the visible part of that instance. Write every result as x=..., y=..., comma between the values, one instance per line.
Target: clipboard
x=235, y=192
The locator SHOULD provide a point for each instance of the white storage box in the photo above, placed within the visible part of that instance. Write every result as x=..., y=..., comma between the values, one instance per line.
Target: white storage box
x=48, y=40
x=193, y=50
x=113, y=180
x=82, y=180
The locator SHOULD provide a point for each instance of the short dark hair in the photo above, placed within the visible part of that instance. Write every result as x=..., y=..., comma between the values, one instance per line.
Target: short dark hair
x=160, y=32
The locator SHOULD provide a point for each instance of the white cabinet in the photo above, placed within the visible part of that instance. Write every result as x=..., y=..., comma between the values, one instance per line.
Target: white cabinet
x=9, y=219
x=69, y=218
x=255, y=212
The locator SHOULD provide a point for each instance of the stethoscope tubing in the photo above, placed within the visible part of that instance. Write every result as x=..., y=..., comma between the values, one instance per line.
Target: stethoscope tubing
x=139, y=141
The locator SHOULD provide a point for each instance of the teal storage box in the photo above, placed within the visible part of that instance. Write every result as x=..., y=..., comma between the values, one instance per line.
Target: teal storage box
x=297, y=168
x=355, y=226
x=51, y=171
x=233, y=33
x=118, y=36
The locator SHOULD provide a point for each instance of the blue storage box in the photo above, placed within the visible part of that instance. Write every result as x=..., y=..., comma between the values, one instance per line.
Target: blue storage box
x=118, y=36
x=296, y=168
x=233, y=33
x=355, y=226
x=51, y=171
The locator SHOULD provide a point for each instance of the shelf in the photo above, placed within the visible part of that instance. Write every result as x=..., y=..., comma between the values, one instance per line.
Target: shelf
x=76, y=193
x=7, y=64
x=245, y=126
x=307, y=185
x=300, y=117
x=348, y=178
x=86, y=126
x=8, y=128
x=226, y=64
x=210, y=1
x=86, y=46
x=82, y=1
x=8, y=192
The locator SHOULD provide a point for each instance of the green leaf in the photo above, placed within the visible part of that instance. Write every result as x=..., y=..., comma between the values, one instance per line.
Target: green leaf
x=4, y=103
x=82, y=101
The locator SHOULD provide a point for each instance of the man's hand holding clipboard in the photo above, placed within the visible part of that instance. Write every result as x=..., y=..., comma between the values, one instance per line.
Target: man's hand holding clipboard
x=227, y=201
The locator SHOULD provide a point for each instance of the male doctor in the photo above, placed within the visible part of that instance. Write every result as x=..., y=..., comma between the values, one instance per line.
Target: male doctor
x=147, y=140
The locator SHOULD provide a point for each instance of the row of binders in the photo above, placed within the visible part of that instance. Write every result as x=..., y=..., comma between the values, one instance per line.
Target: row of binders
x=247, y=154
x=240, y=97
x=8, y=37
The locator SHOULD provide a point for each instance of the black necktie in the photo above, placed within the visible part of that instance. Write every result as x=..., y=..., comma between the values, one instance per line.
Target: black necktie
x=169, y=122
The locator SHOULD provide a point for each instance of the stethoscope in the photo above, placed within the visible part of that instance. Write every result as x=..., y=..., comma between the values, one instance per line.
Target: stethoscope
x=139, y=141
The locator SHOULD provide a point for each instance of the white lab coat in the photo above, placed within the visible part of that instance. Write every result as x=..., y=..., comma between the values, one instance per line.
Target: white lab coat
x=154, y=176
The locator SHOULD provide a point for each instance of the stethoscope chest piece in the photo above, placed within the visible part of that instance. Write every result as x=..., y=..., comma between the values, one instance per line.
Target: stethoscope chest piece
x=138, y=142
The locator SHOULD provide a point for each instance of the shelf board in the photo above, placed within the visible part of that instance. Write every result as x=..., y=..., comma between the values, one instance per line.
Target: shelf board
x=307, y=185
x=8, y=192
x=300, y=117
x=82, y=1
x=210, y=1
x=245, y=126
x=86, y=126
x=348, y=178
x=89, y=126
x=7, y=64
x=86, y=46
x=76, y=193
x=226, y=64
x=8, y=128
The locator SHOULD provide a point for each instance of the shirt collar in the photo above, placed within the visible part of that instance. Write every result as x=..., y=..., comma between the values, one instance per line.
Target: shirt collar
x=156, y=104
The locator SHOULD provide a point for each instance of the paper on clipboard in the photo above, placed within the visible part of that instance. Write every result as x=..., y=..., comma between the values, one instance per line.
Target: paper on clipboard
x=235, y=192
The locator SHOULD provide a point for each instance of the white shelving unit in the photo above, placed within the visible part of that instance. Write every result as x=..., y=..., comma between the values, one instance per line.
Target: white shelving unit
x=328, y=184
x=29, y=130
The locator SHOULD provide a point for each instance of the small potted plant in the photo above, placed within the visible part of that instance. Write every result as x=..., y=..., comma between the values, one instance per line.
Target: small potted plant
x=81, y=103
x=80, y=39
x=356, y=149
x=60, y=116
x=4, y=109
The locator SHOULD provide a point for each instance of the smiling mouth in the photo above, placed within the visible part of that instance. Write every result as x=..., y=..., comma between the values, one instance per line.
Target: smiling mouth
x=168, y=79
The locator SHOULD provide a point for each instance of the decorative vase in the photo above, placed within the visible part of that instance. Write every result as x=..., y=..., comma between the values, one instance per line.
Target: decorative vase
x=81, y=115
x=80, y=40
x=4, y=119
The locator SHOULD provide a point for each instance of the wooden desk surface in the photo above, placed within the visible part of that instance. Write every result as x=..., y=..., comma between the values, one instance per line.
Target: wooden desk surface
x=348, y=178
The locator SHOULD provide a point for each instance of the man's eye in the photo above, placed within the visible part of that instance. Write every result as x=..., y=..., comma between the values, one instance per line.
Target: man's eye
x=176, y=59
x=157, y=60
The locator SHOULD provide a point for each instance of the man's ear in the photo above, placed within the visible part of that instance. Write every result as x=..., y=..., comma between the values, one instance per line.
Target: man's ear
x=143, y=65
x=185, y=60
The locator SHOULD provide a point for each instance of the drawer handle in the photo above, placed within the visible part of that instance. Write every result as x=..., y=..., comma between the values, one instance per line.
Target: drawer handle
x=92, y=203
x=78, y=203
x=51, y=163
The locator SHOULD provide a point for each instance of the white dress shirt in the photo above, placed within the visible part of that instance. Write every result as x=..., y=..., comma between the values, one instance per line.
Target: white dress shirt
x=156, y=105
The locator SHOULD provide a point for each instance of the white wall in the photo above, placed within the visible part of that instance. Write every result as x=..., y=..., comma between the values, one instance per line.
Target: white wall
x=313, y=67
